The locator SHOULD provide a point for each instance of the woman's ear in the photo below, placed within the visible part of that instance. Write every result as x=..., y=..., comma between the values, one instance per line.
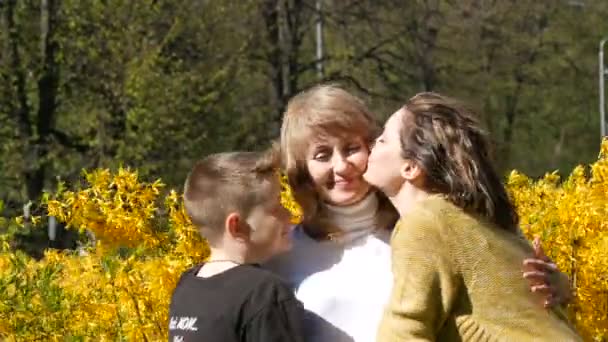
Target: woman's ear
x=410, y=170
x=236, y=227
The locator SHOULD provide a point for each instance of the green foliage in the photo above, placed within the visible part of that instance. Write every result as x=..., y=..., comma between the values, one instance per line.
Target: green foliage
x=156, y=84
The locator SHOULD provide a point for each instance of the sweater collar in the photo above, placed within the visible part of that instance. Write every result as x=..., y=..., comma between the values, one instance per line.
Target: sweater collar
x=356, y=220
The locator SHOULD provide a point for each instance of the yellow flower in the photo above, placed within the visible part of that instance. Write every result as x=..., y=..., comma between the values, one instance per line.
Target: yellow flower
x=120, y=288
x=288, y=200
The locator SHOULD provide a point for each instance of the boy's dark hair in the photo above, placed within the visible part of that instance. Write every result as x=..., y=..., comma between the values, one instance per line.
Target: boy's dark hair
x=224, y=183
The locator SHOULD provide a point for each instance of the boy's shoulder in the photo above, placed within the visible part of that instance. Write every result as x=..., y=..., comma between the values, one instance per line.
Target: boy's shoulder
x=264, y=283
x=248, y=287
x=242, y=281
x=218, y=307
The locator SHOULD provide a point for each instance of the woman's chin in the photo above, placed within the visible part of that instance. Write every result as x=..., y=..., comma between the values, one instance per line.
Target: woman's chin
x=343, y=198
x=368, y=178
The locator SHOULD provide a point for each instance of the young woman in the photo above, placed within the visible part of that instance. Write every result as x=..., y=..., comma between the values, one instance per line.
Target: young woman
x=456, y=251
x=340, y=261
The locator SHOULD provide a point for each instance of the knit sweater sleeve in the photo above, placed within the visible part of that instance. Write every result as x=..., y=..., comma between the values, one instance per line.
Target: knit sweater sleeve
x=425, y=280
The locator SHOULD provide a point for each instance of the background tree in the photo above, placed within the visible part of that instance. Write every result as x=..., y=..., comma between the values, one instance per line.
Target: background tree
x=155, y=84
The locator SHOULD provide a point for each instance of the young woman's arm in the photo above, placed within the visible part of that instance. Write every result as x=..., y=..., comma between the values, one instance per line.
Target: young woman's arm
x=425, y=282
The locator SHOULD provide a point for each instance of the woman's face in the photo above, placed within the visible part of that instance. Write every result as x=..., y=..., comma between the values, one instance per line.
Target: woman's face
x=336, y=166
x=385, y=161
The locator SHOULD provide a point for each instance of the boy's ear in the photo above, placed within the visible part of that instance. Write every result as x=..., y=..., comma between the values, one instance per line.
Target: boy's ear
x=410, y=170
x=236, y=227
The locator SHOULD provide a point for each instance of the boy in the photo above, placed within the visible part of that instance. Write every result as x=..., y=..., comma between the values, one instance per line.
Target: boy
x=234, y=200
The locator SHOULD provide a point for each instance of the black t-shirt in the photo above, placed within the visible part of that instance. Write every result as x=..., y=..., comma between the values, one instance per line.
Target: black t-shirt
x=244, y=303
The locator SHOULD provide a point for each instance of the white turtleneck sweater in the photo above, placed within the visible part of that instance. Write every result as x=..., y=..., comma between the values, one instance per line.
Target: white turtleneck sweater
x=345, y=283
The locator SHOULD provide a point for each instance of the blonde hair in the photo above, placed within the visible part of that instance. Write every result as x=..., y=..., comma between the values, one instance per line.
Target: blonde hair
x=321, y=112
x=228, y=182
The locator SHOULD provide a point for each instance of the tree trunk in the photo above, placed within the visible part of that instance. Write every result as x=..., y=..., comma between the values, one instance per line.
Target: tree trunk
x=282, y=20
x=35, y=135
x=47, y=98
x=270, y=14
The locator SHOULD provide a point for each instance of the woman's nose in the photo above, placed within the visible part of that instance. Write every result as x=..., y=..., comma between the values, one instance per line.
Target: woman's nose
x=340, y=163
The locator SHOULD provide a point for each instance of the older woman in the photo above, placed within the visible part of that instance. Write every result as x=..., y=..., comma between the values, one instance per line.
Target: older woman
x=456, y=249
x=340, y=262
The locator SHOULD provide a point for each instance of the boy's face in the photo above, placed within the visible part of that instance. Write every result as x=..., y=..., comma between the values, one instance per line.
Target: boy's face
x=270, y=226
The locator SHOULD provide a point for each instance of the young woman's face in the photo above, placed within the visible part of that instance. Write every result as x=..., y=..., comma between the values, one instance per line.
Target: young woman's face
x=385, y=160
x=336, y=166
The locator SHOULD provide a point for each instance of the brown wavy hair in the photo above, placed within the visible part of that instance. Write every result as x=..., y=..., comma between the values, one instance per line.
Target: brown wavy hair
x=444, y=138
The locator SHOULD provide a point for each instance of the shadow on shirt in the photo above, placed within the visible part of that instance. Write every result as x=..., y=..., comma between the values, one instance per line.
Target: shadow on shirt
x=317, y=329
x=306, y=258
x=299, y=265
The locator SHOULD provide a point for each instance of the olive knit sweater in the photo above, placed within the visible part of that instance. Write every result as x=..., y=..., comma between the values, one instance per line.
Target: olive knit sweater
x=459, y=278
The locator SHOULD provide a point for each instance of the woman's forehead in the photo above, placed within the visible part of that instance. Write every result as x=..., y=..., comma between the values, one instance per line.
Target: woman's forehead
x=395, y=121
x=336, y=140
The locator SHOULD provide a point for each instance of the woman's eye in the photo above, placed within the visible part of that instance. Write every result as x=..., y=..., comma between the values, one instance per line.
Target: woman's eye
x=353, y=149
x=321, y=156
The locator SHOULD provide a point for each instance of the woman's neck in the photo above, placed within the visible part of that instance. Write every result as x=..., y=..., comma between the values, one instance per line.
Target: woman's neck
x=406, y=197
x=355, y=220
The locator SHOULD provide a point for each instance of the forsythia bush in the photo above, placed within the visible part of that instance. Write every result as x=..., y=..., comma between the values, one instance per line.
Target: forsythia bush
x=119, y=288
x=571, y=217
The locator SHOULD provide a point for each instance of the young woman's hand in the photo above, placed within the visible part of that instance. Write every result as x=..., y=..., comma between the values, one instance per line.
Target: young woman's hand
x=545, y=277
